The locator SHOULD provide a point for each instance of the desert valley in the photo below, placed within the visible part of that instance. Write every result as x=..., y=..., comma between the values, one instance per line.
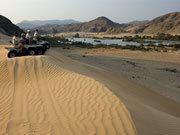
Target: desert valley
x=81, y=88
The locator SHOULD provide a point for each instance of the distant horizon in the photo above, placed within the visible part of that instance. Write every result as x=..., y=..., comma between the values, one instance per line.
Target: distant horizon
x=48, y=20
x=93, y=19
x=98, y=17
x=120, y=11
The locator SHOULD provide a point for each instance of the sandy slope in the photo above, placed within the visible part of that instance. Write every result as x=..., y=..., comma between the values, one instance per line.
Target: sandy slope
x=152, y=113
x=47, y=95
x=155, y=70
x=4, y=39
x=171, y=57
x=39, y=96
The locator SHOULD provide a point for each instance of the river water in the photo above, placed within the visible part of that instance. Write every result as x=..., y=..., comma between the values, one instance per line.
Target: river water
x=116, y=41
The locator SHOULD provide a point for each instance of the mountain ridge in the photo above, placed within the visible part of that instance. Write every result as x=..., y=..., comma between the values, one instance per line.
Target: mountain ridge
x=7, y=27
x=100, y=24
x=25, y=24
x=168, y=23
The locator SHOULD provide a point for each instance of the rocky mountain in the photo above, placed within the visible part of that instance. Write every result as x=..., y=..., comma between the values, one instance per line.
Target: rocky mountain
x=169, y=23
x=38, y=23
x=101, y=24
x=134, y=23
x=7, y=27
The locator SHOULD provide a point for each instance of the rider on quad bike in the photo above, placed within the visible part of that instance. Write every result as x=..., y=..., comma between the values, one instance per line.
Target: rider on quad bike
x=22, y=47
x=16, y=41
x=29, y=37
x=40, y=40
x=37, y=36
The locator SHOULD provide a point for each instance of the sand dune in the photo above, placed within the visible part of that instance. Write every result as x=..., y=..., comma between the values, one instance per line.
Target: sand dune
x=152, y=113
x=4, y=39
x=40, y=97
x=54, y=94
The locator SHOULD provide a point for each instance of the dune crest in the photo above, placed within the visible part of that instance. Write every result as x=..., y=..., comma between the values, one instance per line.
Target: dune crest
x=39, y=97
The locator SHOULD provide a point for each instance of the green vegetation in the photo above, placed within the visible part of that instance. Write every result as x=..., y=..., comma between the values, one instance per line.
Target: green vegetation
x=177, y=46
x=66, y=44
x=76, y=35
x=160, y=36
x=143, y=39
x=97, y=40
x=161, y=46
x=54, y=40
x=112, y=38
x=163, y=36
x=137, y=39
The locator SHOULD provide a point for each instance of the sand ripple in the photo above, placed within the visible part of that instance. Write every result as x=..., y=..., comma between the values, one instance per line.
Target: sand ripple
x=39, y=97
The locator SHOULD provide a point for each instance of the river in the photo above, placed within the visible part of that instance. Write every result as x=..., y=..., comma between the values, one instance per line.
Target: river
x=117, y=41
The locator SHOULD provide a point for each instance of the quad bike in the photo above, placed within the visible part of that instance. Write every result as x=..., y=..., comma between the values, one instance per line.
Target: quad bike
x=27, y=50
x=44, y=43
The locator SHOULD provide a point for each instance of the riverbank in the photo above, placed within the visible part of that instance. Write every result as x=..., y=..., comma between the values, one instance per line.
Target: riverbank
x=158, y=71
x=152, y=113
x=99, y=35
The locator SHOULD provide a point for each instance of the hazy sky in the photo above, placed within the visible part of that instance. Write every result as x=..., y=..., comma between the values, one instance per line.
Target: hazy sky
x=84, y=10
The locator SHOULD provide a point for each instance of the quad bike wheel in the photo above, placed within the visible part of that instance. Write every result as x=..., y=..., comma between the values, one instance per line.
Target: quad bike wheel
x=31, y=52
x=12, y=54
x=47, y=46
x=40, y=51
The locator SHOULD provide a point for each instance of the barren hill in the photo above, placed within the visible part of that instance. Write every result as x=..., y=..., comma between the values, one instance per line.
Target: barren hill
x=7, y=27
x=37, y=23
x=169, y=23
x=101, y=24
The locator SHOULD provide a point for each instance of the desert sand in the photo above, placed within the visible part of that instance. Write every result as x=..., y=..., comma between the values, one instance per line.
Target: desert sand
x=158, y=71
x=38, y=96
x=54, y=95
x=171, y=56
x=152, y=113
x=4, y=39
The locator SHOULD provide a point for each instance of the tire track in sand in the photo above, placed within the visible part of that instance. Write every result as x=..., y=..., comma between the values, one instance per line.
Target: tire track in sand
x=43, y=98
x=54, y=116
x=89, y=105
x=5, y=96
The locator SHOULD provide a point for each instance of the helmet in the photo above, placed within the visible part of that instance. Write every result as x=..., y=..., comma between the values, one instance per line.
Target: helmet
x=28, y=31
x=22, y=34
x=15, y=33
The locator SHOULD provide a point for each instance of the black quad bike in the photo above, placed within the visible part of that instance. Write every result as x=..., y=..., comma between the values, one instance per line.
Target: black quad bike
x=46, y=44
x=27, y=50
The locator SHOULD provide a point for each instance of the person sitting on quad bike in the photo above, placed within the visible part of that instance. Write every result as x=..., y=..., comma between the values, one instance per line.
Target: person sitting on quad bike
x=16, y=41
x=24, y=40
x=37, y=36
x=29, y=37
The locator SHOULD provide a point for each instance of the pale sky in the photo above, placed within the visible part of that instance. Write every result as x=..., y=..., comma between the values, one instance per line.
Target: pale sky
x=120, y=11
